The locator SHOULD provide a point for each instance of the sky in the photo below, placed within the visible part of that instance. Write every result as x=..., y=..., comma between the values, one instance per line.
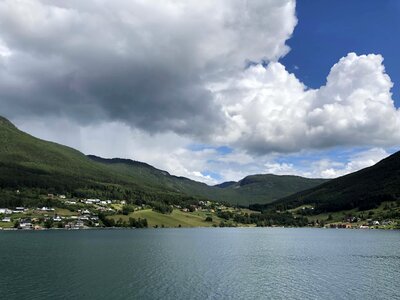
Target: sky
x=210, y=90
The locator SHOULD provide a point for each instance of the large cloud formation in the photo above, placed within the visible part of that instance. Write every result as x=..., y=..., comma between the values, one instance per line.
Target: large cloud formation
x=270, y=110
x=144, y=63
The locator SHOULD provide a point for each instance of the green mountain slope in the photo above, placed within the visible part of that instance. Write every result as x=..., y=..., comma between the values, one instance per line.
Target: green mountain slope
x=250, y=190
x=364, y=189
x=265, y=188
x=28, y=162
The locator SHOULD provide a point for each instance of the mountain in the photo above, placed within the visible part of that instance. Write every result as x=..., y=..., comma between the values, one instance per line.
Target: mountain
x=250, y=190
x=364, y=189
x=264, y=188
x=46, y=167
x=41, y=166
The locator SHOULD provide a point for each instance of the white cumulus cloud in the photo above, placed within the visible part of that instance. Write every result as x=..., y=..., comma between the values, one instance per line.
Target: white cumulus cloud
x=270, y=110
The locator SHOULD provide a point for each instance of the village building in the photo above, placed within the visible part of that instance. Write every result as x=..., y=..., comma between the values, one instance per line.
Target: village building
x=57, y=219
x=25, y=224
x=5, y=211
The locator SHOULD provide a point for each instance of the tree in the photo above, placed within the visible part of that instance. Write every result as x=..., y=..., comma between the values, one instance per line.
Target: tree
x=127, y=209
x=139, y=223
x=48, y=223
x=16, y=224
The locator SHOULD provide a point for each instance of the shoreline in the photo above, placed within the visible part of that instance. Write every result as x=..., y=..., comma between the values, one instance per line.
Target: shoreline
x=194, y=227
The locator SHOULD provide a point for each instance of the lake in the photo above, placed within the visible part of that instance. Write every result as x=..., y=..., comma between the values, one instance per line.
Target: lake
x=200, y=263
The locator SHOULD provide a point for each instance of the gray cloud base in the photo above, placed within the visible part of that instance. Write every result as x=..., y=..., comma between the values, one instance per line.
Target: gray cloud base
x=146, y=64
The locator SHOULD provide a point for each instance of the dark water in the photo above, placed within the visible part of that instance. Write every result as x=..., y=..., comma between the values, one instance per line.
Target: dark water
x=226, y=263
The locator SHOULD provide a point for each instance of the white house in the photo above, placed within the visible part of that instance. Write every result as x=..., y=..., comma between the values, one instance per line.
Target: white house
x=5, y=211
x=25, y=224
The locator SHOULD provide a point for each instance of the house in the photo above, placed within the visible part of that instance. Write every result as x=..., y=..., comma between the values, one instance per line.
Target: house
x=375, y=223
x=44, y=208
x=5, y=211
x=6, y=219
x=79, y=224
x=69, y=225
x=57, y=219
x=19, y=210
x=25, y=224
x=62, y=196
x=92, y=201
x=387, y=222
x=75, y=225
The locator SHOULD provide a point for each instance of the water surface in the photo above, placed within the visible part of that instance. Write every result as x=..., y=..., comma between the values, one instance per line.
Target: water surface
x=201, y=263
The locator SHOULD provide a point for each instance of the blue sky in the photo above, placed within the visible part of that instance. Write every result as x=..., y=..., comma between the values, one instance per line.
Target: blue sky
x=210, y=90
x=328, y=30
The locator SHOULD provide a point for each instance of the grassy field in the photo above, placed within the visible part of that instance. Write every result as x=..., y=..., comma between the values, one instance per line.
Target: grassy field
x=64, y=212
x=176, y=218
x=6, y=224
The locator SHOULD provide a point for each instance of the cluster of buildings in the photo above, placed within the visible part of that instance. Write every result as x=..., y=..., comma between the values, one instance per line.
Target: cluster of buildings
x=369, y=224
x=207, y=206
x=36, y=219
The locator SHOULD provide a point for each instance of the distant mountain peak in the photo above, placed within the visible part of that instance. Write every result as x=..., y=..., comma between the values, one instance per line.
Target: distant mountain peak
x=225, y=184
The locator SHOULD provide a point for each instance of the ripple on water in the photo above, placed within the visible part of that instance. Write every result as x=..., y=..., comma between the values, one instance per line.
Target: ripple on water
x=258, y=263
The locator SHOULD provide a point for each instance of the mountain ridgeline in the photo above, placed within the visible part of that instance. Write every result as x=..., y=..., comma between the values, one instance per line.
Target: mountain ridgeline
x=37, y=166
x=364, y=189
x=257, y=187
